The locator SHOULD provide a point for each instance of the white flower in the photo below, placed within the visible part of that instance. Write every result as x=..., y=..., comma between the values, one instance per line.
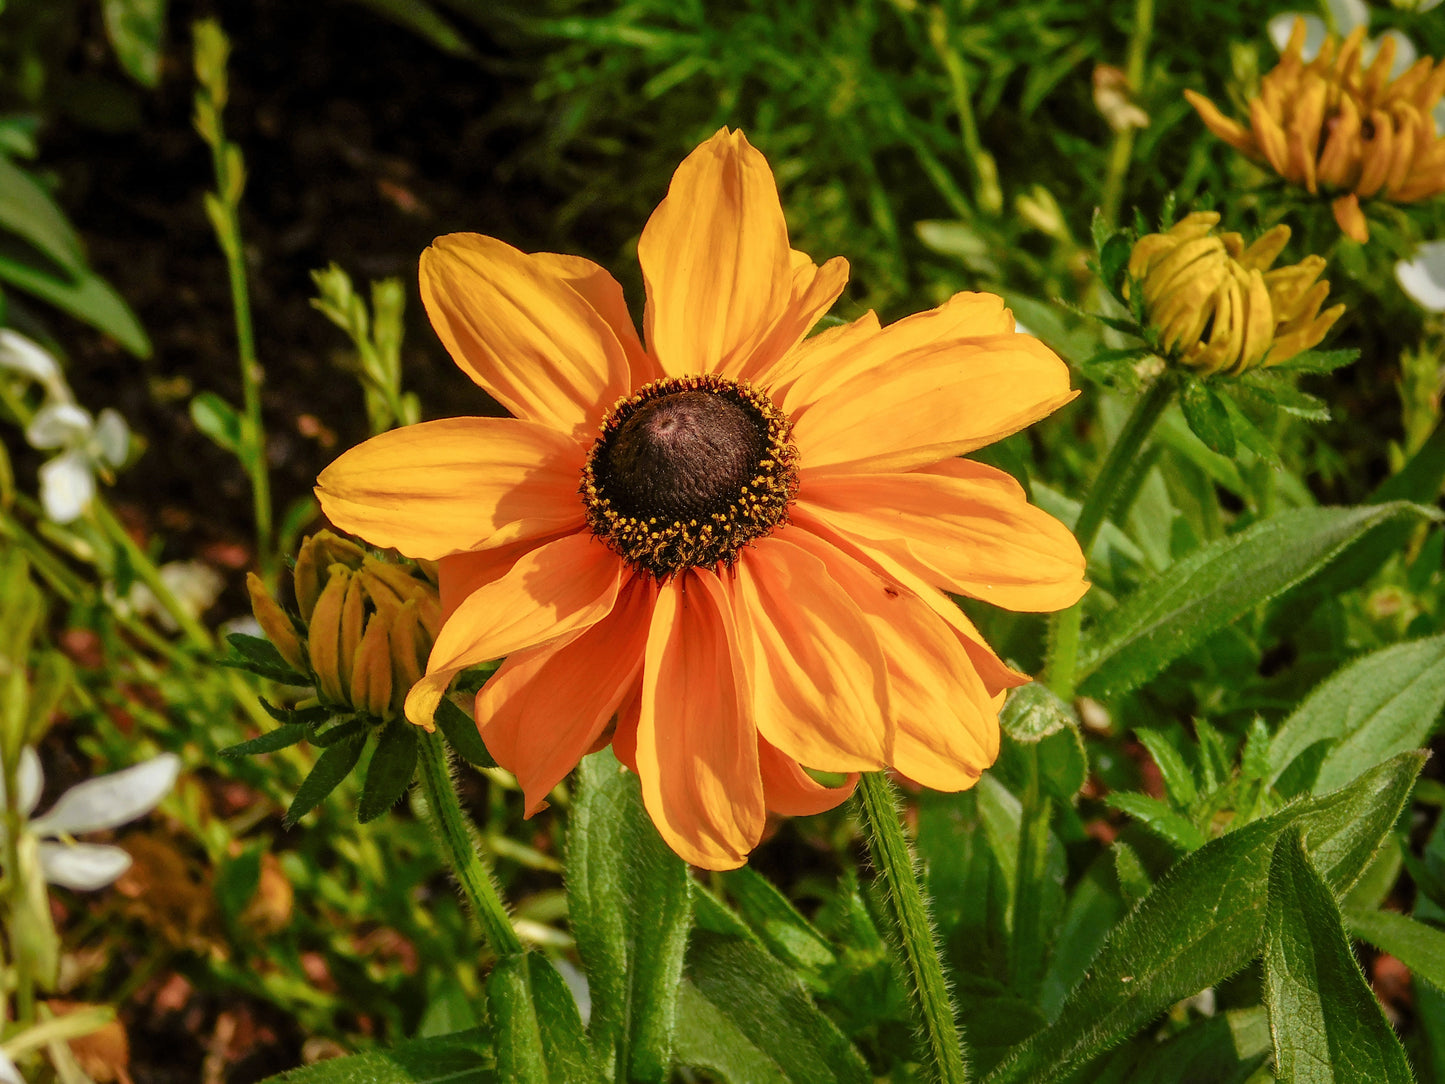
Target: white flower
x=1423, y=278
x=107, y=802
x=194, y=585
x=88, y=446
x=1346, y=16
x=21, y=355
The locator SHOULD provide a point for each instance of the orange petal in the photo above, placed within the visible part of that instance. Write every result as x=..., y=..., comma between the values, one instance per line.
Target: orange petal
x=545, y=708
x=462, y=573
x=931, y=403
x=792, y=792
x=560, y=587
x=716, y=260
x=995, y=674
x=962, y=526
x=1231, y=131
x=518, y=327
x=624, y=738
x=814, y=291
x=604, y=293
x=1351, y=219
x=459, y=484
x=820, y=690
x=830, y=364
x=945, y=724
x=697, y=751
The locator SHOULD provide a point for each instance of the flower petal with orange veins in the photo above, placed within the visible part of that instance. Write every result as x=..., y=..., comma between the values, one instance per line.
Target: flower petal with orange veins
x=604, y=293
x=819, y=687
x=560, y=587
x=931, y=403
x=697, y=751
x=963, y=317
x=458, y=484
x=945, y=723
x=1351, y=219
x=519, y=327
x=462, y=573
x=962, y=526
x=546, y=707
x=814, y=291
x=716, y=260
x=791, y=792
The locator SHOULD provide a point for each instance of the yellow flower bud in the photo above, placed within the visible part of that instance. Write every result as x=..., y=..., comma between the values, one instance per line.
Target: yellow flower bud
x=1217, y=307
x=324, y=638
x=275, y=623
x=316, y=556
x=371, y=669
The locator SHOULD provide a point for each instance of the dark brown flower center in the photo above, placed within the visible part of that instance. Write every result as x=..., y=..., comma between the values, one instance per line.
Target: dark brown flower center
x=687, y=471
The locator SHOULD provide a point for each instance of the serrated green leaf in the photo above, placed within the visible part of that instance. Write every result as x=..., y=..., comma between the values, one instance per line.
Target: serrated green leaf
x=744, y=1016
x=630, y=910
x=1249, y=434
x=1032, y=712
x=285, y=735
x=778, y=924
x=1178, y=779
x=85, y=296
x=218, y=420
x=536, y=1027
x=1318, y=361
x=1207, y=416
x=461, y=1058
x=310, y=717
x=1205, y=920
x=259, y=656
x=1161, y=819
x=1113, y=259
x=1262, y=386
x=1418, y=946
x=332, y=766
x=392, y=768
x=460, y=731
x=1327, y=1026
x=27, y=210
x=347, y=726
x=1207, y=590
x=1382, y=704
x=135, y=29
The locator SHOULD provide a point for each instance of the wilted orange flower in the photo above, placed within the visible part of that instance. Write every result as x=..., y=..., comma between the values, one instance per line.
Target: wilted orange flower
x=730, y=540
x=1336, y=127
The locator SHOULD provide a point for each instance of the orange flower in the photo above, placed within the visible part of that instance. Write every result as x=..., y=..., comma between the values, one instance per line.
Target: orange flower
x=732, y=540
x=1337, y=127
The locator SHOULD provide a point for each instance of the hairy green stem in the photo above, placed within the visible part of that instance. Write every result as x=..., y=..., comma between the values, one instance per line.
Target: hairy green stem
x=931, y=1003
x=1063, y=665
x=1122, y=151
x=458, y=839
x=1029, y=933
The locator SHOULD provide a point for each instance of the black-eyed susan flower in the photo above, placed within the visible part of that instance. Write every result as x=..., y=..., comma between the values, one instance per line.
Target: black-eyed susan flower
x=725, y=550
x=369, y=624
x=1217, y=306
x=1339, y=128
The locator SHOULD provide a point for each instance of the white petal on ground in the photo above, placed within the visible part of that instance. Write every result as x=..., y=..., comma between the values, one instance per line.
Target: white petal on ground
x=59, y=425
x=111, y=800
x=83, y=867
x=67, y=486
x=112, y=437
x=1423, y=278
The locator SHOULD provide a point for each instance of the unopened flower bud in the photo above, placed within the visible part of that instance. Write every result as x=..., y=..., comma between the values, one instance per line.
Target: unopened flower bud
x=274, y=622
x=1217, y=307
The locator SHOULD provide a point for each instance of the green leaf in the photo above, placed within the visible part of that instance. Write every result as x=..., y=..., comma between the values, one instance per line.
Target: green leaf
x=1207, y=590
x=1225, y=1049
x=1178, y=779
x=1032, y=712
x=778, y=924
x=27, y=210
x=1383, y=704
x=1204, y=920
x=630, y=911
x=218, y=420
x=1421, y=478
x=86, y=296
x=135, y=29
x=422, y=20
x=1418, y=946
x=743, y=1016
x=332, y=766
x=461, y=1058
x=537, y=1030
x=1207, y=416
x=1318, y=361
x=392, y=768
x=259, y=656
x=1113, y=259
x=1326, y=1023
x=461, y=733
x=1162, y=819
x=287, y=734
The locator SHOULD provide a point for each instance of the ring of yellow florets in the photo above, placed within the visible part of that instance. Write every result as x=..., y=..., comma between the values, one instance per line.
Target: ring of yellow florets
x=687, y=471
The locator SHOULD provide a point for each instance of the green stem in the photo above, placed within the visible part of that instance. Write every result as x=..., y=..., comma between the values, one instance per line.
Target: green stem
x=1029, y=933
x=146, y=571
x=1122, y=151
x=462, y=855
x=931, y=1002
x=1097, y=505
